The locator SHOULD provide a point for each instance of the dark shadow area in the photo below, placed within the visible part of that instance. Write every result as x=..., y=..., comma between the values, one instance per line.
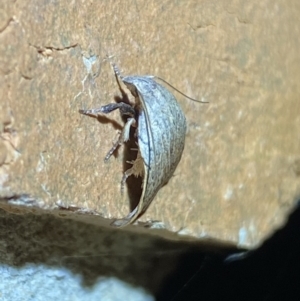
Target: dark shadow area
x=271, y=272
x=134, y=184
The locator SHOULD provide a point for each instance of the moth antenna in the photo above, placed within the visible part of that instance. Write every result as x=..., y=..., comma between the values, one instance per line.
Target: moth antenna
x=116, y=70
x=188, y=97
x=113, y=65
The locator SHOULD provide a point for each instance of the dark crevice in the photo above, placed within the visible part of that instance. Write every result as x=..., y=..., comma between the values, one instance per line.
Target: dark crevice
x=9, y=21
x=42, y=49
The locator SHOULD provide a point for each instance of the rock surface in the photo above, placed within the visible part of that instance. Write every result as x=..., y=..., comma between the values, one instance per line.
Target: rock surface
x=239, y=174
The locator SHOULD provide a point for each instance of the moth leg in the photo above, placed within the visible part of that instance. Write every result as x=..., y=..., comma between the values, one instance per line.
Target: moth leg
x=114, y=147
x=126, y=110
x=124, y=136
x=127, y=174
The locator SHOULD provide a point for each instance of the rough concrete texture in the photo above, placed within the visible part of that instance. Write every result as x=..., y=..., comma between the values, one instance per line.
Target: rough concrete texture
x=239, y=174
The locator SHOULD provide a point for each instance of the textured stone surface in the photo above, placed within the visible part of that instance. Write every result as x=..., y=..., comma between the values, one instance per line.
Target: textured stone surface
x=239, y=174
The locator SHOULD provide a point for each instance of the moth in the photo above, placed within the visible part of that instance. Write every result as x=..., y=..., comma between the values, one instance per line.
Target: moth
x=160, y=132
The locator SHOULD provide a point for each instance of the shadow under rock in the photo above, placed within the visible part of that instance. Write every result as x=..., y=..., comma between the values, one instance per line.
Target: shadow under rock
x=269, y=273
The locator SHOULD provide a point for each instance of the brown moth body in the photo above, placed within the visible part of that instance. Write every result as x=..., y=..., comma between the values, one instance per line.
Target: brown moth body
x=161, y=129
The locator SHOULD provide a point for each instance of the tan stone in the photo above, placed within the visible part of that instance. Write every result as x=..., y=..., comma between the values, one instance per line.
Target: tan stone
x=238, y=177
